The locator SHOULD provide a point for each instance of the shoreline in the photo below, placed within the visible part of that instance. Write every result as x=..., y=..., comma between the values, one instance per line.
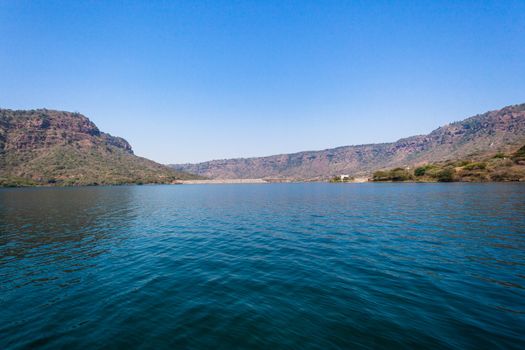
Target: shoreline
x=222, y=181
x=255, y=182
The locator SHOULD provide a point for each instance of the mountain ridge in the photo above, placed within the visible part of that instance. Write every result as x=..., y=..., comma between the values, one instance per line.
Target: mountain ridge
x=50, y=147
x=476, y=136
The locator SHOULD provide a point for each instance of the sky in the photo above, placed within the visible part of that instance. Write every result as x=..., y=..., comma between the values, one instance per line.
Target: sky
x=190, y=81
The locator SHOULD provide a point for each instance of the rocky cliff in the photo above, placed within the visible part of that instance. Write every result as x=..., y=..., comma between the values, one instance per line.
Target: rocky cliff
x=476, y=137
x=40, y=147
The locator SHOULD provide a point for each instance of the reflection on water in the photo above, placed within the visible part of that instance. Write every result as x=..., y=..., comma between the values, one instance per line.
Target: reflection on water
x=70, y=222
x=254, y=266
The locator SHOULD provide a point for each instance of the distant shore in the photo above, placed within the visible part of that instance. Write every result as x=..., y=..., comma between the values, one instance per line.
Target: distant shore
x=223, y=181
x=257, y=181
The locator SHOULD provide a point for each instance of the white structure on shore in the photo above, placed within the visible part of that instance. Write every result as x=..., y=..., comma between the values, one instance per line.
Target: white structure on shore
x=345, y=177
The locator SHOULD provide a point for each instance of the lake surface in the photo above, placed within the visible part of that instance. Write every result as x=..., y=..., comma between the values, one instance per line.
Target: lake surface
x=276, y=266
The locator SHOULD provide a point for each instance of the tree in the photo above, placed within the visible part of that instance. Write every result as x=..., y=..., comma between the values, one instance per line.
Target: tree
x=446, y=175
x=420, y=171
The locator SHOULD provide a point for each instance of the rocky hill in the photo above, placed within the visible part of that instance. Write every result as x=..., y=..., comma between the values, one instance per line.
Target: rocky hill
x=41, y=147
x=476, y=137
x=500, y=167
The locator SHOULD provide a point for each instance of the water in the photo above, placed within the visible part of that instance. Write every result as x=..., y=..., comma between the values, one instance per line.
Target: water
x=263, y=266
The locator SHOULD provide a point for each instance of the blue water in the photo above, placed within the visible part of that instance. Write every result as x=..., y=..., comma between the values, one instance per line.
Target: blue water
x=280, y=266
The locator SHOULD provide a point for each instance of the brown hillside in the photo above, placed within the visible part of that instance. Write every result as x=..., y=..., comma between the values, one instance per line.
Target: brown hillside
x=41, y=147
x=476, y=137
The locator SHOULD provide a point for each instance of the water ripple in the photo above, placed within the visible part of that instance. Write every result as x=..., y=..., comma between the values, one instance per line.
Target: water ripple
x=286, y=266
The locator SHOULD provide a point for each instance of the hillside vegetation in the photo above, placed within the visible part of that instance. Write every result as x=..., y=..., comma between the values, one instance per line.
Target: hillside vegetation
x=500, y=167
x=476, y=137
x=45, y=147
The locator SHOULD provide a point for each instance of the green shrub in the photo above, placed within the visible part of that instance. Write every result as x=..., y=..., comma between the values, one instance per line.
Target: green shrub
x=520, y=152
x=445, y=175
x=459, y=163
x=475, y=166
x=519, y=156
x=420, y=171
x=400, y=174
x=338, y=179
x=381, y=175
x=397, y=174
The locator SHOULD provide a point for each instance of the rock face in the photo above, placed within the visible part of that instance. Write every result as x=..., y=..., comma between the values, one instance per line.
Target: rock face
x=29, y=130
x=54, y=147
x=481, y=135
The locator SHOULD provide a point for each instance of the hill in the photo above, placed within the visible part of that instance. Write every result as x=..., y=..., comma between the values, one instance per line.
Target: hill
x=47, y=147
x=476, y=137
x=500, y=167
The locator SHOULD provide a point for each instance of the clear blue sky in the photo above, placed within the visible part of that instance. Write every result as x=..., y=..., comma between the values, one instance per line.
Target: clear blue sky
x=198, y=80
